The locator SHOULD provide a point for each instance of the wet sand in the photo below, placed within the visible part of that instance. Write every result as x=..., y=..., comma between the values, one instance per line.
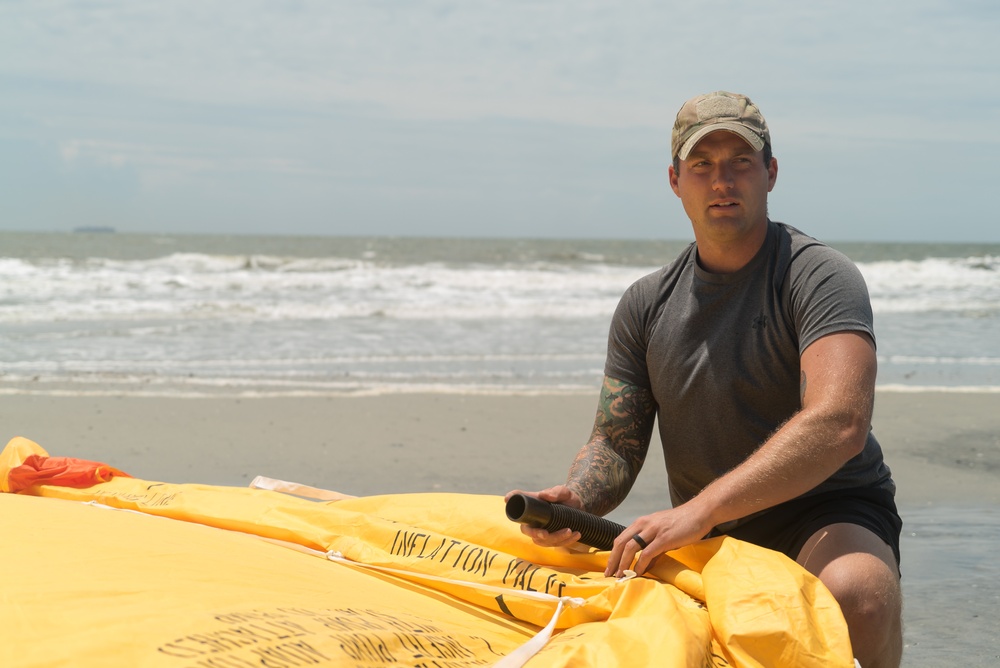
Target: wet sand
x=943, y=448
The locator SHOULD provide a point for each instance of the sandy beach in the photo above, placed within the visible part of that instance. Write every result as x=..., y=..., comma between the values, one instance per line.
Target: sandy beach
x=943, y=448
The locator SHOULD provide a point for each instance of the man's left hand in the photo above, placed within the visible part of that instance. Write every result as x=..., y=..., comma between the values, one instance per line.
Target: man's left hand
x=657, y=533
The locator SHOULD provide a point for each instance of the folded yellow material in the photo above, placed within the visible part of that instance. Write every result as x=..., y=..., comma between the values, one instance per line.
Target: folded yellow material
x=435, y=580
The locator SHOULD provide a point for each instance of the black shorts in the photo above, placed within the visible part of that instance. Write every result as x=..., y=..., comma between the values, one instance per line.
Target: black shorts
x=788, y=526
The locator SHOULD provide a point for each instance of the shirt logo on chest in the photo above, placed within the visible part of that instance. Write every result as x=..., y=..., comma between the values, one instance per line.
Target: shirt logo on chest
x=760, y=322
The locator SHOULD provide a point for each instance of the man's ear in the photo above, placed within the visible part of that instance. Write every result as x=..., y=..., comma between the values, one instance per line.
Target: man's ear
x=673, y=180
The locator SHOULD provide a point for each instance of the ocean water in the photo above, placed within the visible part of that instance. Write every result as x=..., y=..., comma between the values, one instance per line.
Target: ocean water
x=267, y=316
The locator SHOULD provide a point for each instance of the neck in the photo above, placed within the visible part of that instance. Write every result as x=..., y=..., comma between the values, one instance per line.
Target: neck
x=729, y=256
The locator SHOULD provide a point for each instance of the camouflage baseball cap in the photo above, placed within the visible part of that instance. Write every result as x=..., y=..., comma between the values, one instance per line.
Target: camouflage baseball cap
x=705, y=114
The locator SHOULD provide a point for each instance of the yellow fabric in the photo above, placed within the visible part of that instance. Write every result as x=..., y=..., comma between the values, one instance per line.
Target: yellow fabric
x=85, y=585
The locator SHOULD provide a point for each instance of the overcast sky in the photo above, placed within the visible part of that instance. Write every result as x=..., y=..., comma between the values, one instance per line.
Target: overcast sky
x=506, y=118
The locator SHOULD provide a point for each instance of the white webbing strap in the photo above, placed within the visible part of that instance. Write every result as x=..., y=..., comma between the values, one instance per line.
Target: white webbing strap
x=520, y=656
x=297, y=489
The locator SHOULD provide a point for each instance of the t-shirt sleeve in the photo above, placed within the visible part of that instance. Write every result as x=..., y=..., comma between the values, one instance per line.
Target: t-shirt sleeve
x=828, y=295
x=628, y=337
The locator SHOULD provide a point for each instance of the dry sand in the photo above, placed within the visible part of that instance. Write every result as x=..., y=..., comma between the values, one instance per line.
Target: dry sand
x=943, y=448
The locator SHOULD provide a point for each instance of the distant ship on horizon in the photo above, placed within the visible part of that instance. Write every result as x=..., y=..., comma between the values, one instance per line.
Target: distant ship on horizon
x=94, y=229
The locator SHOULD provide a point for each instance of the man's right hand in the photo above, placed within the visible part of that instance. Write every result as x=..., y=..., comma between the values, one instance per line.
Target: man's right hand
x=562, y=495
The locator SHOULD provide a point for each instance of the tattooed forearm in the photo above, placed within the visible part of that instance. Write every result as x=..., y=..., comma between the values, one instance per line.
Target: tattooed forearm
x=606, y=467
x=601, y=478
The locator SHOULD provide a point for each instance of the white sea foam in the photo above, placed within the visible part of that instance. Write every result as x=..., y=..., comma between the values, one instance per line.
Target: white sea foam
x=934, y=284
x=940, y=360
x=373, y=321
x=955, y=389
x=269, y=288
x=263, y=287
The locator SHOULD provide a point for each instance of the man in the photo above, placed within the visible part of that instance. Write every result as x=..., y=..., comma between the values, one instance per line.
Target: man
x=754, y=351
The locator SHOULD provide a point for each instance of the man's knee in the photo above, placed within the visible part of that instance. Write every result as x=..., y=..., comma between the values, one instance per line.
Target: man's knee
x=872, y=607
x=860, y=571
x=866, y=589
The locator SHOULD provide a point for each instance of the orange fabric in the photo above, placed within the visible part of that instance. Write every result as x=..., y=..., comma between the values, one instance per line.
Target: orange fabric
x=62, y=471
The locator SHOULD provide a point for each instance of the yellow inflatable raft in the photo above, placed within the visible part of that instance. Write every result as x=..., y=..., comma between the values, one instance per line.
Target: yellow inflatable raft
x=100, y=569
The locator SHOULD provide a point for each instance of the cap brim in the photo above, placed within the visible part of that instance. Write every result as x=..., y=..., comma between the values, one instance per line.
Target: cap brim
x=749, y=136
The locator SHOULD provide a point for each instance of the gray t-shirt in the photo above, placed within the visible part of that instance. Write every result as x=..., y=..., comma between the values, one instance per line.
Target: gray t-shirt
x=720, y=353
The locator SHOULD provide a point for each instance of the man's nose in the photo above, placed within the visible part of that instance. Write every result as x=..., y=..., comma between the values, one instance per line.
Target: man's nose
x=723, y=177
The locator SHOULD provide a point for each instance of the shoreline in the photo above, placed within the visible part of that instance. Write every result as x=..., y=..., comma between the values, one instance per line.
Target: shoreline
x=941, y=446
x=168, y=392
